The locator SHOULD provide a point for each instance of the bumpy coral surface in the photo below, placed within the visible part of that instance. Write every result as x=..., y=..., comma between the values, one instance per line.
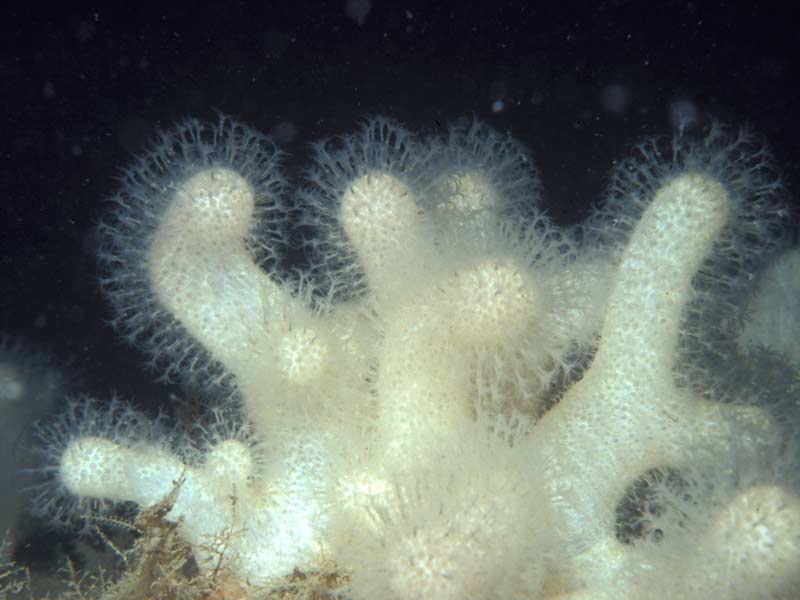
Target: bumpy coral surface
x=443, y=395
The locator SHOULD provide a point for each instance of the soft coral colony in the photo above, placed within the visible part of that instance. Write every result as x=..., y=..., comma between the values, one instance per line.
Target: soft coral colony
x=453, y=398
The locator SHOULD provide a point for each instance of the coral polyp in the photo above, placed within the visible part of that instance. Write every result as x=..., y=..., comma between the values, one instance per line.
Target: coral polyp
x=451, y=397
